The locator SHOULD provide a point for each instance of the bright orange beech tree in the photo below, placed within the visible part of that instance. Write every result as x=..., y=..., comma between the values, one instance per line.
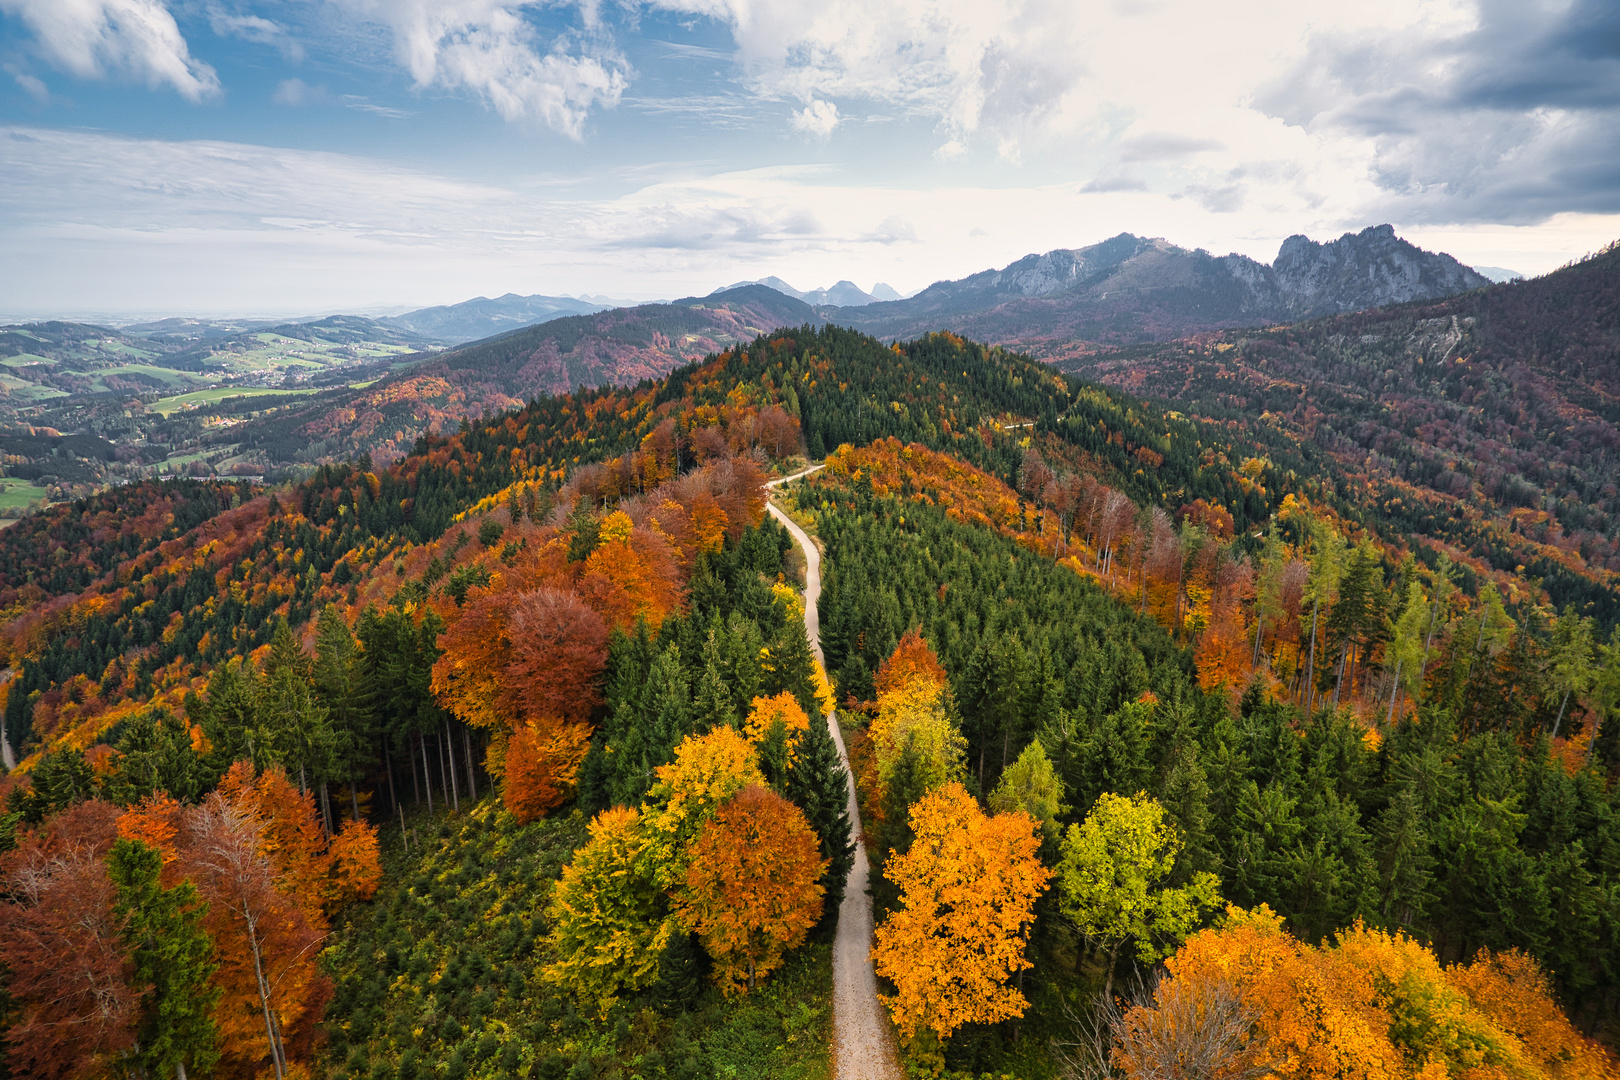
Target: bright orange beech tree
x=752, y=892
x=967, y=893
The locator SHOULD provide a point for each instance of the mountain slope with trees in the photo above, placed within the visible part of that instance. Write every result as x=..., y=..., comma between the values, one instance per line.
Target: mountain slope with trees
x=497, y=712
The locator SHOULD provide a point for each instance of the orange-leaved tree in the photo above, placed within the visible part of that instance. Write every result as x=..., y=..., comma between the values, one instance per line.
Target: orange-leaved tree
x=967, y=893
x=1512, y=991
x=1374, y=1004
x=541, y=766
x=751, y=892
x=73, y=1011
x=911, y=661
x=272, y=992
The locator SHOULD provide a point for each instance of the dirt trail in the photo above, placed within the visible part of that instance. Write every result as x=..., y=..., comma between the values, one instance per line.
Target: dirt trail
x=862, y=1046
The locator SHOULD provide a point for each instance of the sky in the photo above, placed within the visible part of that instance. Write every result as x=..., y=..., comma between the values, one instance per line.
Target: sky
x=300, y=157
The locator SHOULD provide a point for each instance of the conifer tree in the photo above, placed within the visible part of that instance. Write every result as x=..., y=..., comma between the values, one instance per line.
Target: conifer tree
x=336, y=679
x=819, y=786
x=713, y=703
x=173, y=963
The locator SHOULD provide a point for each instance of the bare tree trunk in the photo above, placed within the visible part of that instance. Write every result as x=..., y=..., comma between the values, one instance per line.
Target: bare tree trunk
x=1310, y=666
x=427, y=775
x=1561, y=707
x=472, y=772
x=450, y=766
x=264, y=1000
x=1391, y=717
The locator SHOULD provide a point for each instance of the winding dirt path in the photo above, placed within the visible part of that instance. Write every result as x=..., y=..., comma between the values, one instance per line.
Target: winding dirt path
x=862, y=1047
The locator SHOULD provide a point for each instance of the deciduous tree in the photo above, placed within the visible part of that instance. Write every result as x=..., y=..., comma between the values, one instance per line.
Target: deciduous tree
x=66, y=956
x=609, y=916
x=541, y=766
x=967, y=893
x=752, y=888
x=1112, y=879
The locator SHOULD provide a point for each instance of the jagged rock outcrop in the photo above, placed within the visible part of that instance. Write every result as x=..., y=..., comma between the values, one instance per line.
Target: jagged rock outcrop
x=1131, y=289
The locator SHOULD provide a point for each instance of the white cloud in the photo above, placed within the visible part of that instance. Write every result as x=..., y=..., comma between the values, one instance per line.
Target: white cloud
x=134, y=38
x=31, y=85
x=254, y=28
x=817, y=118
x=488, y=47
x=297, y=92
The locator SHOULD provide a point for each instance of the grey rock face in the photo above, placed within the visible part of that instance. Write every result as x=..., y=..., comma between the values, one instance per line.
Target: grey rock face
x=1133, y=288
x=1371, y=268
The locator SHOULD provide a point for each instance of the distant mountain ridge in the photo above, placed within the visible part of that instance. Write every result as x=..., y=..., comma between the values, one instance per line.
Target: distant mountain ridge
x=843, y=294
x=1131, y=289
x=482, y=317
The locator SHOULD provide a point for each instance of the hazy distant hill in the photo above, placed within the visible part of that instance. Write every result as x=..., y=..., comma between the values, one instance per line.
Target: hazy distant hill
x=1130, y=289
x=620, y=346
x=473, y=320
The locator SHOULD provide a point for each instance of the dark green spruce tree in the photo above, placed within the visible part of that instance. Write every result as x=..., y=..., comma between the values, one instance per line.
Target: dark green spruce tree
x=173, y=959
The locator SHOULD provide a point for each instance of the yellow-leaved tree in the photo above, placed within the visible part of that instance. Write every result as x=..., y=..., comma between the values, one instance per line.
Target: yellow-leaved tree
x=967, y=897
x=609, y=917
x=707, y=770
x=1112, y=876
x=913, y=714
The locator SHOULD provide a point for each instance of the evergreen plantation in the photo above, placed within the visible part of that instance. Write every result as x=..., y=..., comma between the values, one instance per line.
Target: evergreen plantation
x=495, y=713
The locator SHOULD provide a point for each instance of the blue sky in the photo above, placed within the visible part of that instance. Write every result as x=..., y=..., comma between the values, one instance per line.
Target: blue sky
x=304, y=156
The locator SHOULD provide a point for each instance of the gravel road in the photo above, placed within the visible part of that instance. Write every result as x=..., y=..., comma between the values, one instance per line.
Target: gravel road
x=862, y=1046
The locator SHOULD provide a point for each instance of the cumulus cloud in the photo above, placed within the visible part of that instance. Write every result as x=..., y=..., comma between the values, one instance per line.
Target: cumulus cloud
x=489, y=47
x=138, y=39
x=965, y=63
x=817, y=118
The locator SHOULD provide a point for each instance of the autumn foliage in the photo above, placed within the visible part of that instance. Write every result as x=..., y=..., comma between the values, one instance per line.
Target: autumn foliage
x=780, y=716
x=1377, y=1004
x=542, y=766
x=751, y=892
x=967, y=891
x=64, y=957
x=912, y=716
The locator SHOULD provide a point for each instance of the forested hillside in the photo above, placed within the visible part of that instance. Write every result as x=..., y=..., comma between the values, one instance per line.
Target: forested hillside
x=1487, y=421
x=506, y=757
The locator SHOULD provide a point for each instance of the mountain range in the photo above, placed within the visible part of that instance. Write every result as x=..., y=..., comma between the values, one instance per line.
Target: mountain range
x=1131, y=289
x=224, y=394
x=843, y=294
x=482, y=317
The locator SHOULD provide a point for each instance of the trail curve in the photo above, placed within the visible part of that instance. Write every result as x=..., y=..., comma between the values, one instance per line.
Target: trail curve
x=862, y=1046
